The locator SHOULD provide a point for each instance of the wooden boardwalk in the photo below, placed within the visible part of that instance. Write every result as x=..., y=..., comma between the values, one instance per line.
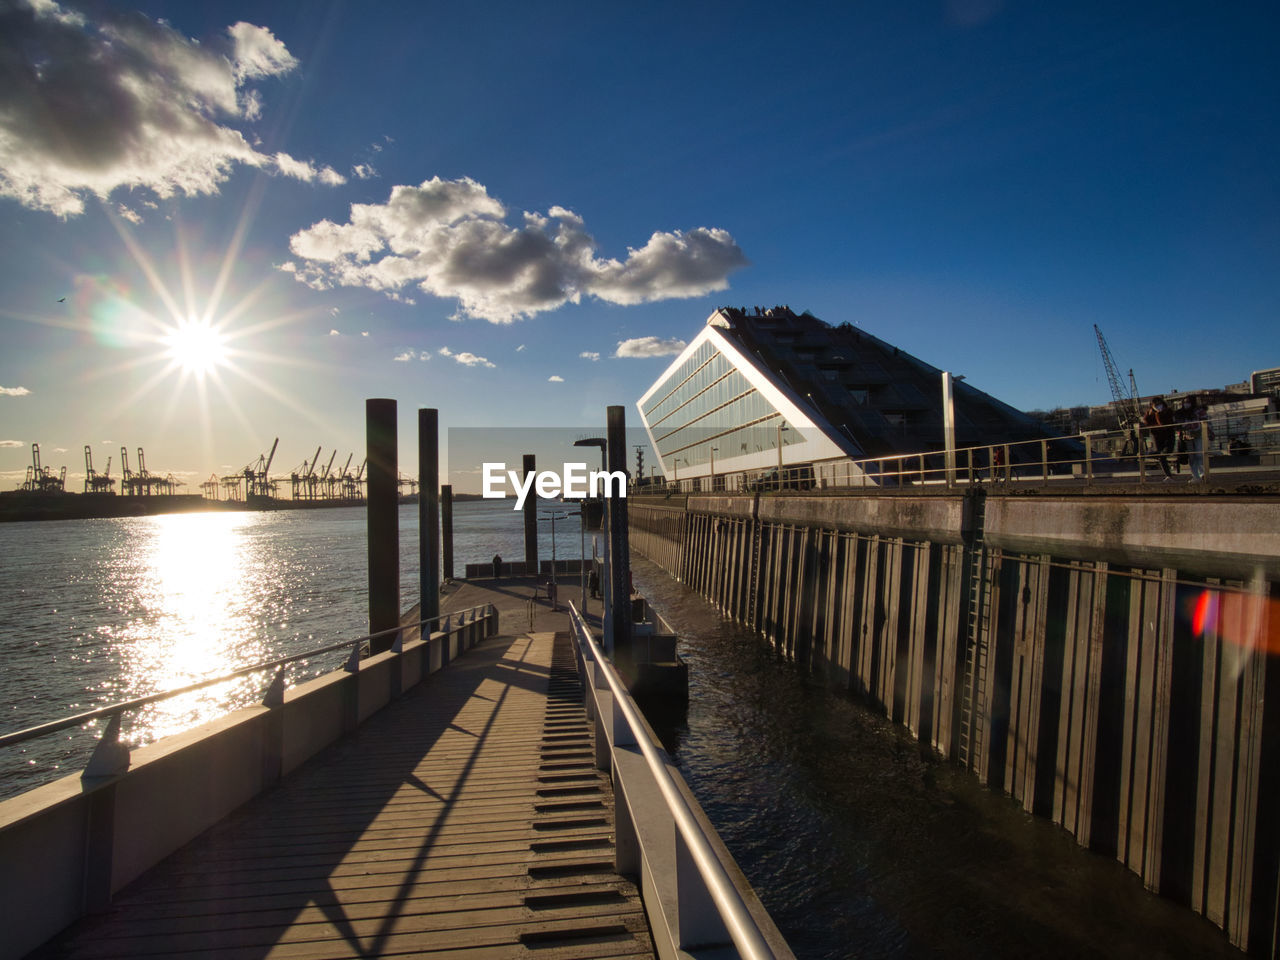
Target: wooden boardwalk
x=467, y=818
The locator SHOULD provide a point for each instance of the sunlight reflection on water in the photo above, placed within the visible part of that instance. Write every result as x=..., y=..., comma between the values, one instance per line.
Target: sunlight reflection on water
x=95, y=612
x=196, y=584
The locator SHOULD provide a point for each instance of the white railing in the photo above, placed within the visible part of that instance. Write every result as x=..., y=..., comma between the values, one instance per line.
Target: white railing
x=1134, y=455
x=659, y=836
x=111, y=755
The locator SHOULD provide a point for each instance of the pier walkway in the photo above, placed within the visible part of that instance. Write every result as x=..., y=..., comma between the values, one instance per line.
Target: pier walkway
x=467, y=817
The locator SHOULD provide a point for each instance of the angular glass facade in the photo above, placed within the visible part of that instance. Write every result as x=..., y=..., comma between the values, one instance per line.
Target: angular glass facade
x=707, y=403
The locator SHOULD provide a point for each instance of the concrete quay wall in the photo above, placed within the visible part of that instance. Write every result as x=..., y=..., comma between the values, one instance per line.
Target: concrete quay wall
x=1105, y=661
x=68, y=846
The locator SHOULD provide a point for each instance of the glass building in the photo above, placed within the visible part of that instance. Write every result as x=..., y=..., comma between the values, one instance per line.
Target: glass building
x=772, y=388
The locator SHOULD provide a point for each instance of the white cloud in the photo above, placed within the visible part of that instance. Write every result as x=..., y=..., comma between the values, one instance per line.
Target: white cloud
x=129, y=214
x=466, y=358
x=589, y=355
x=92, y=106
x=404, y=357
x=554, y=378
x=649, y=347
x=363, y=171
x=364, y=333
x=520, y=348
x=451, y=239
x=334, y=333
x=307, y=171
x=14, y=391
x=12, y=443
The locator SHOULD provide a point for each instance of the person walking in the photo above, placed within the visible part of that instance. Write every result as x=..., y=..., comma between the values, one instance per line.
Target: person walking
x=1193, y=435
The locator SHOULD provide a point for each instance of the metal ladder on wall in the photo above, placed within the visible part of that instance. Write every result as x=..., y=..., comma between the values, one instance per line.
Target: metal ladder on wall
x=973, y=691
x=753, y=575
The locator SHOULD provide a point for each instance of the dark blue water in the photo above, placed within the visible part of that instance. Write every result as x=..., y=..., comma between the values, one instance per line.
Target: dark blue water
x=861, y=843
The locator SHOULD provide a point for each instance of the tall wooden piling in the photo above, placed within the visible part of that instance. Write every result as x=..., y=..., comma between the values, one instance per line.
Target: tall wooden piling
x=619, y=548
x=428, y=512
x=530, y=519
x=446, y=531
x=383, y=519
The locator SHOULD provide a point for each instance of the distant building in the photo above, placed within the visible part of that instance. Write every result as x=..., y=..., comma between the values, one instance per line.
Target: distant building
x=1265, y=381
x=769, y=387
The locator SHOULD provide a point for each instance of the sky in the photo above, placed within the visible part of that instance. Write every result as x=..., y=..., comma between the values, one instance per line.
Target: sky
x=229, y=222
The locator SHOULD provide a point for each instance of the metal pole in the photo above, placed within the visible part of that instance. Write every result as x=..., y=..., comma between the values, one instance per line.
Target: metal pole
x=949, y=427
x=428, y=512
x=446, y=531
x=555, y=597
x=383, y=524
x=619, y=559
x=582, y=554
x=530, y=521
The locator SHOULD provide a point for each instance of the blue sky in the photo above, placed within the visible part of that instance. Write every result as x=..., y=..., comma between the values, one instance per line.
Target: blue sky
x=450, y=204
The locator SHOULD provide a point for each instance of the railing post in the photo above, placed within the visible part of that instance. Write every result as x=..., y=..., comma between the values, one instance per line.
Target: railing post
x=1088, y=459
x=1044, y=460
x=351, y=691
x=1137, y=452
x=110, y=759
x=1204, y=451
x=698, y=918
x=273, y=730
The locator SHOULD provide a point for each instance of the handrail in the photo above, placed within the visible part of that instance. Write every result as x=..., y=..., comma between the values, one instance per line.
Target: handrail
x=1131, y=451
x=739, y=923
x=53, y=726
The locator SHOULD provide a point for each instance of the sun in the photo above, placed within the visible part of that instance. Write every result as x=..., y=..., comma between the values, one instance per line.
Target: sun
x=196, y=347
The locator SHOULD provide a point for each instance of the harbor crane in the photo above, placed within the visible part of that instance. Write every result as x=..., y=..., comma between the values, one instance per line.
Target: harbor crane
x=95, y=482
x=40, y=479
x=300, y=478
x=351, y=485
x=1125, y=402
x=257, y=484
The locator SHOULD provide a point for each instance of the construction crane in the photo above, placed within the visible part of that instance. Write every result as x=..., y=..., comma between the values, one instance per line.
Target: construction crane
x=210, y=487
x=1126, y=403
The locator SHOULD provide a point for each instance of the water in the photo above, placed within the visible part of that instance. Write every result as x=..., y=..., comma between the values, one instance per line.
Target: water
x=93, y=612
x=860, y=843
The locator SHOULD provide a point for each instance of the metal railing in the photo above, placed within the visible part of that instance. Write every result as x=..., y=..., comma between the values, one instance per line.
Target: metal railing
x=109, y=742
x=627, y=729
x=1135, y=455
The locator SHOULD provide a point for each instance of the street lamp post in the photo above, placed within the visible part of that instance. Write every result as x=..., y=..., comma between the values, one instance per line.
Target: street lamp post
x=713, y=468
x=606, y=617
x=555, y=599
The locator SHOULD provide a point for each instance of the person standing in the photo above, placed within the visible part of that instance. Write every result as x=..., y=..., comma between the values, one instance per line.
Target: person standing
x=1164, y=432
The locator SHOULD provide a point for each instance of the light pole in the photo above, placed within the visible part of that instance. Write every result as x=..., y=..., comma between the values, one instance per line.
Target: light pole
x=605, y=617
x=713, y=468
x=555, y=599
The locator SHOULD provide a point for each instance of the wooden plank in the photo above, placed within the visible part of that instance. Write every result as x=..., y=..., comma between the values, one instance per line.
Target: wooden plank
x=427, y=832
x=1088, y=738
